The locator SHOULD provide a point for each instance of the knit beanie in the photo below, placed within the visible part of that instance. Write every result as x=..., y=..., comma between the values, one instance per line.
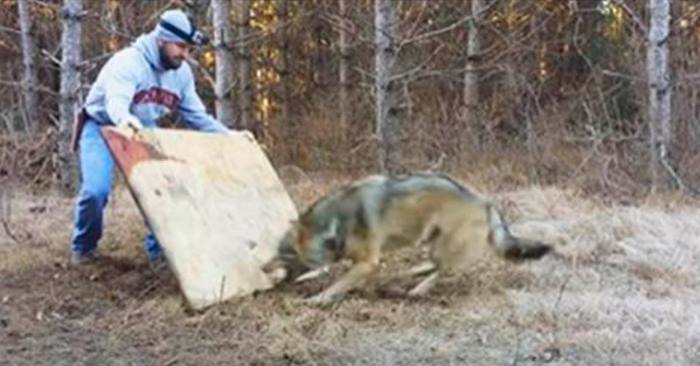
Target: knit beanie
x=176, y=26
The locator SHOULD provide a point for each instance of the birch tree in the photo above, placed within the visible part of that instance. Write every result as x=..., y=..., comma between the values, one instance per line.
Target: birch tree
x=659, y=92
x=67, y=170
x=224, y=61
x=344, y=65
x=29, y=78
x=470, y=96
x=243, y=61
x=387, y=119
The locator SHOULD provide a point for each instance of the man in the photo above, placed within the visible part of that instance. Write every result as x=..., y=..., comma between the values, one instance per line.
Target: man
x=136, y=87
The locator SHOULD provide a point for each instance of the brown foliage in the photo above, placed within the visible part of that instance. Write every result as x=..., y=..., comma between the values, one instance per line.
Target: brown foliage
x=27, y=160
x=562, y=85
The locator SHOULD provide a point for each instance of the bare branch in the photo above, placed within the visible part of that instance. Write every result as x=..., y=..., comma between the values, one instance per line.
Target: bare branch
x=419, y=66
x=9, y=30
x=51, y=57
x=47, y=4
x=448, y=28
x=623, y=76
x=18, y=84
x=207, y=75
x=694, y=192
x=639, y=24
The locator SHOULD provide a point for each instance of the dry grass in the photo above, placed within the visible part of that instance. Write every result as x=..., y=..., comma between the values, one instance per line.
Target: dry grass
x=622, y=289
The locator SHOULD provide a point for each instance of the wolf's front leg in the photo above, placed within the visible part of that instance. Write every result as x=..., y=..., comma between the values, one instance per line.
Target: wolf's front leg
x=357, y=274
x=425, y=286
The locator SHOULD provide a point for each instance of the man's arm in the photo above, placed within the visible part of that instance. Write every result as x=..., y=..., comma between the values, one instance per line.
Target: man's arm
x=121, y=78
x=192, y=109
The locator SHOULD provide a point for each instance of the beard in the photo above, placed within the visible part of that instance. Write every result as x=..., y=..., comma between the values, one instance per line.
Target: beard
x=168, y=62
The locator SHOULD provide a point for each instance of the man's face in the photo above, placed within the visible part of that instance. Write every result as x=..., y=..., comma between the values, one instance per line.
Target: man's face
x=172, y=54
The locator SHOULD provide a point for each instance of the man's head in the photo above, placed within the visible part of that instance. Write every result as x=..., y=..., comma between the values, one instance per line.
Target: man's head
x=176, y=34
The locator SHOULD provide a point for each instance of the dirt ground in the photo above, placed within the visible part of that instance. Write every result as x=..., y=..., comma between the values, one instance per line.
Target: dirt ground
x=622, y=289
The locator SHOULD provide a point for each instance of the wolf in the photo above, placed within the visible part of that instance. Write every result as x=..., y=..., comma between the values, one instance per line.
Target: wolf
x=360, y=221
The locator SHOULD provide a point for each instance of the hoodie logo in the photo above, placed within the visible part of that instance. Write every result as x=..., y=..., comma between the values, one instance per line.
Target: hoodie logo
x=159, y=96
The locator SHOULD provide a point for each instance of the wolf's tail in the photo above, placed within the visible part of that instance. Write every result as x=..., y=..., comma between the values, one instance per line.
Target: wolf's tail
x=509, y=246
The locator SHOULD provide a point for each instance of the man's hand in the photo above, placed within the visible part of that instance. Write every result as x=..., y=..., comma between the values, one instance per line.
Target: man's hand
x=130, y=122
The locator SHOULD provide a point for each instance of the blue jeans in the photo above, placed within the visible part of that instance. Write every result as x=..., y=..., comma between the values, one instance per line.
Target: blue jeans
x=97, y=174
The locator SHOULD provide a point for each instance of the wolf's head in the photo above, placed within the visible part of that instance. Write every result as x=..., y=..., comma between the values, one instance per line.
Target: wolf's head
x=287, y=264
x=306, y=246
x=324, y=244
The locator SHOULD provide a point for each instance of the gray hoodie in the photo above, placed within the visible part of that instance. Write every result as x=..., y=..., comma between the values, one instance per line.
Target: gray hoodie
x=134, y=82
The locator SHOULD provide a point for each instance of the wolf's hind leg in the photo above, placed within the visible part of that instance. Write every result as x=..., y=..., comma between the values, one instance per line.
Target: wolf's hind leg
x=418, y=269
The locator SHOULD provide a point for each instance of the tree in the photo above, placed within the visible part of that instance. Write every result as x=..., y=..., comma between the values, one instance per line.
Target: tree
x=659, y=87
x=243, y=61
x=224, y=61
x=282, y=68
x=29, y=79
x=387, y=119
x=344, y=65
x=67, y=170
x=470, y=96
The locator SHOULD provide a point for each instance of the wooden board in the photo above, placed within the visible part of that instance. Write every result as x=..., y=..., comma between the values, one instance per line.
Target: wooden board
x=213, y=201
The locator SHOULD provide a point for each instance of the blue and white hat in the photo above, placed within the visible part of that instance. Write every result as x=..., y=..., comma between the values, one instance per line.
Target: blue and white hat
x=176, y=26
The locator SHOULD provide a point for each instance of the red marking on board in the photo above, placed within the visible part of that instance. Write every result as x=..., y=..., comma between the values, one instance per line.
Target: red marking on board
x=126, y=151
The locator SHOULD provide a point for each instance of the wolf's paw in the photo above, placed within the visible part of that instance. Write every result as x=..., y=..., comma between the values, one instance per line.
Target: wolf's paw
x=277, y=275
x=312, y=274
x=322, y=299
x=416, y=293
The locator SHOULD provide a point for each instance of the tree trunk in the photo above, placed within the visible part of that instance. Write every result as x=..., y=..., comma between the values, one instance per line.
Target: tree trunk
x=283, y=62
x=387, y=118
x=659, y=92
x=243, y=60
x=224, y=61
x=318, y=59
x=287, y=125
x=67, y=170
x=344, y=67
x=470, y=95
x=29, y=79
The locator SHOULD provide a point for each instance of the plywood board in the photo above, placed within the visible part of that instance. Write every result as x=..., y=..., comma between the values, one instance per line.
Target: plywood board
x=214, y=202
